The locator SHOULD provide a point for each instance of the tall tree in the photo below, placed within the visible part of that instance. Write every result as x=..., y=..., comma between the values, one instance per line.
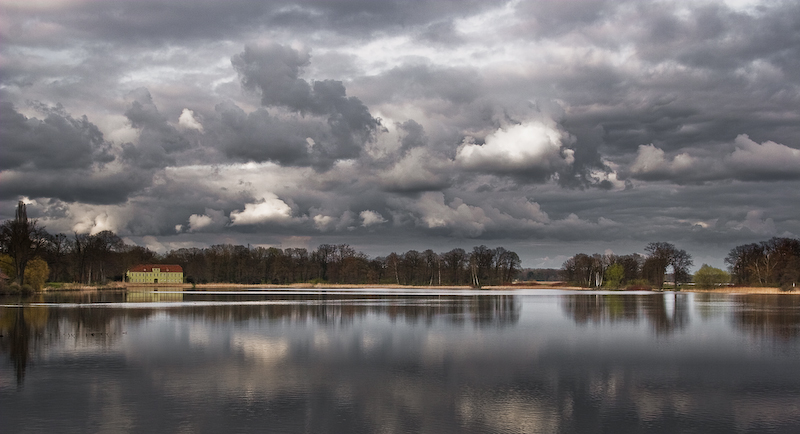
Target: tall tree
x=21, y=239
x=56, y=252
x=771, y=262
x=681, y=261
x=480, y=261
x=433, y=268
x=579, y=269
x=454, y=262
x=663, y=255
x=96, y=255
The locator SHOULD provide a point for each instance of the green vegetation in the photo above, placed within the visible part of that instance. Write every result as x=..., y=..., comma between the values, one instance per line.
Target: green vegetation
x=614, y=276
x=710, y=277
x=36, y=273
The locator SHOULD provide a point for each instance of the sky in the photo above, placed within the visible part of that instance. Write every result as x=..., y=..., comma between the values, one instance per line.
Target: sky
x=547, y=127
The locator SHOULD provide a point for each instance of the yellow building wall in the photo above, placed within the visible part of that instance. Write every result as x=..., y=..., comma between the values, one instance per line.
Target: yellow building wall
x=151, y=276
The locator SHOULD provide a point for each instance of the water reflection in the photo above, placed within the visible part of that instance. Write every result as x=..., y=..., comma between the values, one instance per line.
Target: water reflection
x=366, y=363
x=768, y=316
x=17, y=332
x=27, y=329
x=664, y=312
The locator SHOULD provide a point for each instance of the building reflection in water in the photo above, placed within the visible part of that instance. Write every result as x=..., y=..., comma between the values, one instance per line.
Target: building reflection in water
x=26, y=330
x=364, y=363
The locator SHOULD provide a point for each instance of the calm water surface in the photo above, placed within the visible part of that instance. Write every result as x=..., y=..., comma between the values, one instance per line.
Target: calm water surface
x=524, y=361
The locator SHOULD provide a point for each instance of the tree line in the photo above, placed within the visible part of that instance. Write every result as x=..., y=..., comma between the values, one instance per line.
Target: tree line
x=102, y=257
x=633, y=270
x=29, y=254
x=340, y=263
x=775, y=262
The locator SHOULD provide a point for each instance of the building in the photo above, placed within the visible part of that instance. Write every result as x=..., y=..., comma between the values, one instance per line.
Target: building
x=155, y=273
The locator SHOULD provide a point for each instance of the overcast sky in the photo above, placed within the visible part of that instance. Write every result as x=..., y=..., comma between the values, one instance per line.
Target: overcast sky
x=547, y=127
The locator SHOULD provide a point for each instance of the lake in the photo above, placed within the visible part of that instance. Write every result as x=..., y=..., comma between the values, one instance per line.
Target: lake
x=400, y=361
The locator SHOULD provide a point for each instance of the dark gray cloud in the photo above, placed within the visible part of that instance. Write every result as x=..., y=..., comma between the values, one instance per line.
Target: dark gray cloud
x=60, y=157
x=58, y=141
x=153, y=22
x=158, y=140
x=74, y=186
x=414, y=136
x=273, y=70
x=259, y=137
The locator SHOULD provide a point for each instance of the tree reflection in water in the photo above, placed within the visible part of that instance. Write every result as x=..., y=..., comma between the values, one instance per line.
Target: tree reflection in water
x=28, y=330
x=320, y=362
x=665, y=312
x=768, y=315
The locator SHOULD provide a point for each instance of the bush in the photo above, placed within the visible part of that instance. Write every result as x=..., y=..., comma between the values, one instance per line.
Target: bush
x=710, y=277
x=13, y=288
x=613, y=276
x=36, y=273
x=7, y=265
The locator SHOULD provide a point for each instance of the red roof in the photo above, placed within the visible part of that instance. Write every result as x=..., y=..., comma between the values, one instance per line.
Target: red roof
x=165, y=268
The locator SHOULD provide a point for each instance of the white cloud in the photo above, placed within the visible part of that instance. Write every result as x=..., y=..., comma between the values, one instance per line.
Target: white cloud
x=535, y=145
x=649, y=159
x=748, y=161
x=187, y=120
x=270, y=209
x=197, y=222
x=324, y=222
x=93, y=221
x=433, y=212
x=652, y=161
x=211, y=220
x=369, y=218
x=769, y=156
x=522, y=209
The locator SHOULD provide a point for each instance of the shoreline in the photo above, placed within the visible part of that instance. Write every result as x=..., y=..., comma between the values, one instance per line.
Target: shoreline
x=120, y=286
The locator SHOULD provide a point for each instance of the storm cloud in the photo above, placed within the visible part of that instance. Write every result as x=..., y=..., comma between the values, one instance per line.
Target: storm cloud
x=547, y=127
x=273, y=70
